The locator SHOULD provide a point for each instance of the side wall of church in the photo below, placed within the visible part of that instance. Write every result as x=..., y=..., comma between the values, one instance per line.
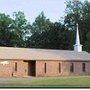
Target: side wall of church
x=52, y=68
x=5, y=68
x=15, y=68
x=78, y=68
x=19, y=68
x=47, y=68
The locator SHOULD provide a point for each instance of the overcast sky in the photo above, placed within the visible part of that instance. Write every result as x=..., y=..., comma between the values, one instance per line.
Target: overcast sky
x=53, y=9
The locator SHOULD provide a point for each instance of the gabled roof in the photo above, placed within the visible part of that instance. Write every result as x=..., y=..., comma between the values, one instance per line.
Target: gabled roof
x=41, y=54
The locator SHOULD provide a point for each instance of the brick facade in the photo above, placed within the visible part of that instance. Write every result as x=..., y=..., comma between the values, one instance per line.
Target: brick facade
x=52, y=68
x=41, y=68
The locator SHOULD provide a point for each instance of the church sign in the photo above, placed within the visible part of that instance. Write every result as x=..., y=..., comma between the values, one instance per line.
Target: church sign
x=4, y=62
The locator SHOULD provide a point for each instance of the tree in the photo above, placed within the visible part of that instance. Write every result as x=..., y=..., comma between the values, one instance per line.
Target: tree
x=87, y=43
x=5, y=30
x=41, y=24
x=46, y=34
x=39, y=30
x=73, y=13
x=20, y=29
x=13, y=31
x=78, y=12
x=59, y=37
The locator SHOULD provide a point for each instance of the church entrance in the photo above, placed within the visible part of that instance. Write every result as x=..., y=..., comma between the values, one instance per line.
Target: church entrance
x=31, y=68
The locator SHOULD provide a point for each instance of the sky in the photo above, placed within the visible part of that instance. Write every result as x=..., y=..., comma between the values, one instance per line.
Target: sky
x=53, y=9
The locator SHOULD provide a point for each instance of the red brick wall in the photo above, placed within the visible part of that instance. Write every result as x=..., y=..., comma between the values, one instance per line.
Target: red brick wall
x=78, y=68
x=8, y=70
x=52, y=68
x=5, y=71
x=22, y=69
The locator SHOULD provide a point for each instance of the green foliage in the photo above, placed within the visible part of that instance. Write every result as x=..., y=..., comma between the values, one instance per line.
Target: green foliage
x=13, y=31
x=5, y=30
x=21, y=27
x=78, y=12
x=39, y=31
x=46, y=34
x=43, y=33
x=41, y=24
x=87, y=43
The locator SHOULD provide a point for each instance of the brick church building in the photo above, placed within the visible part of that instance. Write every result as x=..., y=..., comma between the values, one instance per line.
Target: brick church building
x=22, y=62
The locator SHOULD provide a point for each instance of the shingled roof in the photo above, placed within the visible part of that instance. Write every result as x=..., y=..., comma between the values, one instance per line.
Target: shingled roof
x=41, y=54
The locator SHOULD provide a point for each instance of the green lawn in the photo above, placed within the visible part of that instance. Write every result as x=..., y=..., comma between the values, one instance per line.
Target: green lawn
x=64, y=81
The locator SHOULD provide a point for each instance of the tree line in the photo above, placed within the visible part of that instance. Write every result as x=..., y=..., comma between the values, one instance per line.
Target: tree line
x=16, y=31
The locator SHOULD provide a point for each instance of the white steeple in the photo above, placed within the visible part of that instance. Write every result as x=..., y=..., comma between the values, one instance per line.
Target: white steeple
x=77, y=46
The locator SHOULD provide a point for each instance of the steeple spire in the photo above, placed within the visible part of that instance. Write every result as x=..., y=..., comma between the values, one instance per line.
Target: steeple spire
x=77, y=36
x=77, y=46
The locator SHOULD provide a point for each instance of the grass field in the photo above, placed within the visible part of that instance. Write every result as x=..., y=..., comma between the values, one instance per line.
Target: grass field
x=64, y=81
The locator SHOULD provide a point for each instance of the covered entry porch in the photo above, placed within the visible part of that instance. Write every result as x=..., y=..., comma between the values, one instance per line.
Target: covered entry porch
x=31, y=68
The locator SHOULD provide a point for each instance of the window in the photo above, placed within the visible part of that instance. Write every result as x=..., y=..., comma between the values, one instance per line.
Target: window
x=83, y=67
x=59, y=67
x=15, y=66
x=72, y=67
x=45, y=67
